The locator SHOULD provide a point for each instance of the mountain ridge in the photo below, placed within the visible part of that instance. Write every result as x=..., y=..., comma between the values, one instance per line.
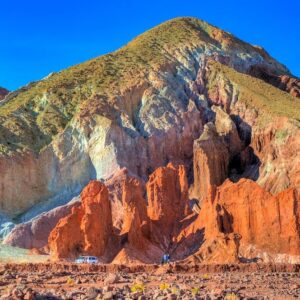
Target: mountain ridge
x=53, y=117
x=131, y=108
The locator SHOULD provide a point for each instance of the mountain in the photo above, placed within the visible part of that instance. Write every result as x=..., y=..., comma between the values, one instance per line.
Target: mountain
x=223, y=112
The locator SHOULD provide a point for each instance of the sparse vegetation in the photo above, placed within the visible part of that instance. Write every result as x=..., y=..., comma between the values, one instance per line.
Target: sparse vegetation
x=36, y=113
x=231, y=296
x=266, y=99
x=70, y=281
x=164, y=286
x=281, y=135
x=137, y=288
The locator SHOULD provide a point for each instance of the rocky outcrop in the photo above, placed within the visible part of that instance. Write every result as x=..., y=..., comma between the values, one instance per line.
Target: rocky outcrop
x=135, y=225
x=227, y=130
x=3, y=93
x=246, y=222
x=264, y=129
x=269, y=222
x=116, y=187
x=96, y=224
x=278, y=146
x=146, y=231
x=209, y=237
x=232, y=217
x=121, y=111
x=87, y=229
x=66, y=239
x=211, y=161
x=35, y=233
x=167, y=195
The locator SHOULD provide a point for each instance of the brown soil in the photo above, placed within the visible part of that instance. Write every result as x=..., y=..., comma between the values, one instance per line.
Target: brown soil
x=174, y=281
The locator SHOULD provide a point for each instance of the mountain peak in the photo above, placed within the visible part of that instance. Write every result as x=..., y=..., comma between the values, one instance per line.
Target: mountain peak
x=150, y=94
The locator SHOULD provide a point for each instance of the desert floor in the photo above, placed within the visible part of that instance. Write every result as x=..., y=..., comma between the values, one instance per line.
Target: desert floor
x=71, y=281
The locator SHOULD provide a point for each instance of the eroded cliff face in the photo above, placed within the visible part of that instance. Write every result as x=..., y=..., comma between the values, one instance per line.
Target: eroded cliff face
x=270, y=138
x=87, y=229
x=233, y=218
x=143, y=230
x=186, y=93
x=146, y=230
x=269, y=222
x=167, y=194
x=211, y=161
x=137, y=108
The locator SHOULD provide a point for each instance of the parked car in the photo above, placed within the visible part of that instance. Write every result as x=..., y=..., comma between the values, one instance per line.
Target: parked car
x=87, y=260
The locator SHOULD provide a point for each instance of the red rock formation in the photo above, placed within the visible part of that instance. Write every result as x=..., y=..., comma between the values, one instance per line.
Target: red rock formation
x=66, y=239
x=96, y=224
x=210, y=235
x=231, y=215
x=211, y=161
x=269, y=222
x=87, y=229
x=115, y=189
x=135, y=223
x=167, y=192
x=244, y=214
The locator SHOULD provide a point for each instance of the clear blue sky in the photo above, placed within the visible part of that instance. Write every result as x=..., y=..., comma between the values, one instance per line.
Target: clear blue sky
x=41, y=36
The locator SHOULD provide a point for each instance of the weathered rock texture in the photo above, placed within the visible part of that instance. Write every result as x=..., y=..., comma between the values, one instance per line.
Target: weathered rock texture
x=35, y=233
x=265, y=131
x=139, y=107
x=87, y=229
x=167, y=194
x=184, y=92
x=142, y=231
x=269, y=222
x=211, y=161
x=233, y=216
x=135, y=224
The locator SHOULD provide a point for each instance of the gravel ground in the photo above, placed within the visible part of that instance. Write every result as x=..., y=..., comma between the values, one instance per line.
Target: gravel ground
x=159, y=283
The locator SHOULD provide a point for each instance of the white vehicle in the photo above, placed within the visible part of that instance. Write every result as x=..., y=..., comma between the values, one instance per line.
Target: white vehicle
x=87, y=260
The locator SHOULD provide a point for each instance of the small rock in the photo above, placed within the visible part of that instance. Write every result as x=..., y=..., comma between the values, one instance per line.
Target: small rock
x=111, y=279
x=17, y=293
x=108, y=296
x=29, y=295
x=92, y=293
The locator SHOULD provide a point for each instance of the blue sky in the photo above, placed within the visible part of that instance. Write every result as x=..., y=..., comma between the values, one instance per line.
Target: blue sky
x=41, y=36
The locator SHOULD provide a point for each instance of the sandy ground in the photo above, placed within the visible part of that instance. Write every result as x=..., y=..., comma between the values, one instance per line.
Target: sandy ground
x=70, y=281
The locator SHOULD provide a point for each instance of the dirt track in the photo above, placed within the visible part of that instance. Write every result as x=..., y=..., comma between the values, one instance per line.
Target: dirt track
x=174, y=281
